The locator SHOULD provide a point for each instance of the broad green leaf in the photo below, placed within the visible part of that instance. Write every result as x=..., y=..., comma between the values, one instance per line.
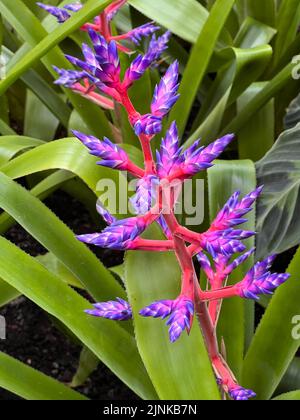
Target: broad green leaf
x=42, y=224
x=264, y=11
x=178, y=371
x=236, y=323
x=12, y=145
x=5, y=129
x=7, y=293
x=292, y=117
x=279, y=171
x=290, y=396
x=256, y=138
x=31, y=384
x=287, y=26
x=271, y=89
x=108, y=340
x=88, y=362
x=275, y=342
x=199, y=61
x=39, y=121
x=185, y=18
x=291, y=379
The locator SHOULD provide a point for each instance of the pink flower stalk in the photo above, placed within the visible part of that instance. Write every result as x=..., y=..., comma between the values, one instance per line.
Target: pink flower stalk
x=155, y=201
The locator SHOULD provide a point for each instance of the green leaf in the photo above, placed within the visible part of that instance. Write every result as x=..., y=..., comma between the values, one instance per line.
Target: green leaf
x=184, y=19
x=199, y=61
x=257, y=136
x=295, y=395
x=43, y=225
x=108, y=340
x=178, y=371
x=274, y=345
x=292, y=117
x=291, y=379
x=7, y=293
x=12, y=145
x=278, y=222
x=31, y=384
x=264, y=11
x=88, y=363
x=224, y=179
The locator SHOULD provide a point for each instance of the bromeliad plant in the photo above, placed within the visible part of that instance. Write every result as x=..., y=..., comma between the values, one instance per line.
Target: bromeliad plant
x=156, y=196
x=239, y=76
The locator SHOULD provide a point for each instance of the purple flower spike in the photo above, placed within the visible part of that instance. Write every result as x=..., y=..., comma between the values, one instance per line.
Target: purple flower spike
x=145, y=195
x=60, y=14
x=197, y=160
x=119, y=235
x=160, y=309
x=137, y=68
x=107, y=217
x=169, y=158
x=68, y=78
x=180, y=312
x=205, y=265
x=118, y=310
x=74, y=7
x=234, y=210
x=148, y=124
x=143, y=31
x=165, y=94
x=238, y=261
x=158, y=45
x=241, y=394
x=260, y=281
x=113, y=156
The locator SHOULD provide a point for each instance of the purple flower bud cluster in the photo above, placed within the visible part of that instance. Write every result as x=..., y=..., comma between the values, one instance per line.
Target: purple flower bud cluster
x=105, y=214
x=143, y=31
x=118, y=310
x=69, y=77
x=113, y=156
x=146, y=194
x=259, y=280
x=61, y=14
x=241, y=394
x=119, y=235
x=102, y=65
x=165, y=96
x=142, y=62
x=179, y=311
x=170, y=157
x=198, y=159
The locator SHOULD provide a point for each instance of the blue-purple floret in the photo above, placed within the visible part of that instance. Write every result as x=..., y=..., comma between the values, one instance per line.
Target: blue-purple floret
x=148, y=124
x=102, y=64
x=170, y=157
x=179, y=311
x=118, y=310
x=113, y=156
x=118, y=236
x=61, y=14
x=146, y=193
x=159, y=44
x=241, y=394
x=259, y=280
x=105, y=214
x=68, y=78
x=143, y=31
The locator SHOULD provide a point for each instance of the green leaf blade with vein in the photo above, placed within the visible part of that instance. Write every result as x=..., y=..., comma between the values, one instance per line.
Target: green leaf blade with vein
x=274, y=346
x=31, y=384
x=111, y=343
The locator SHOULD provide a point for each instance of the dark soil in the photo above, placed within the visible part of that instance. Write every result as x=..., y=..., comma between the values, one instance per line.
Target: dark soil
x=32, y=336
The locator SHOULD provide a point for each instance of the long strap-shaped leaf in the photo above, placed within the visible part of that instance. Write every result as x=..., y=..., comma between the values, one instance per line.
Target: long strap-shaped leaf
x=178, y=371
x=236, y=324
x=274, y=344
x=42, y=224
x=290, y=396
x=31, y=384
x=199, y=61
x=184, y=17
x=111, y=343
x=12, y=145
